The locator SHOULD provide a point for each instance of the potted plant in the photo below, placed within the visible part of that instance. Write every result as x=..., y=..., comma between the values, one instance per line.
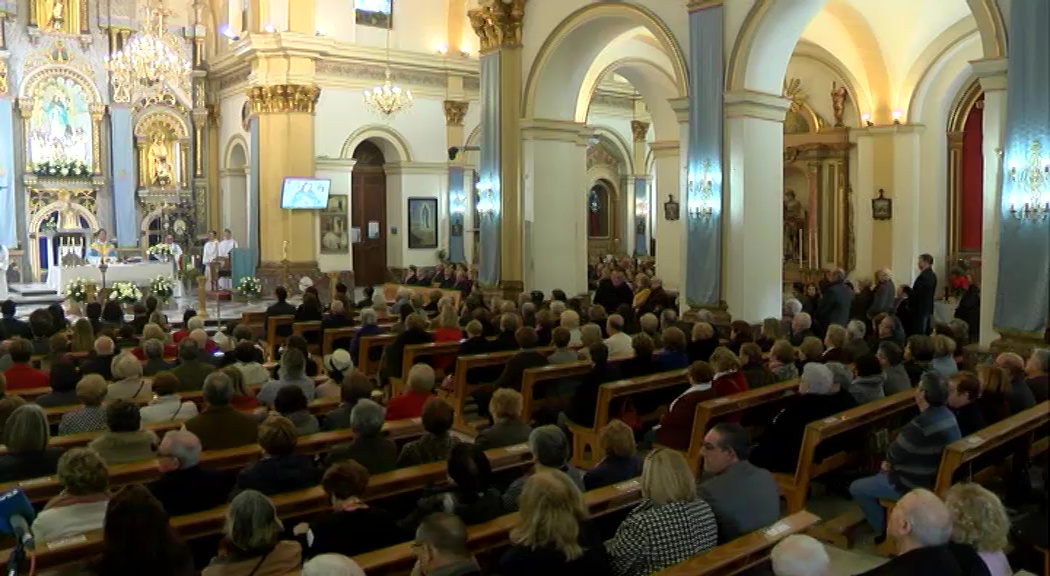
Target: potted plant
x=162, y=288
x=161, y=252
x=249, y=287
x=126, y=293
x=76, y=293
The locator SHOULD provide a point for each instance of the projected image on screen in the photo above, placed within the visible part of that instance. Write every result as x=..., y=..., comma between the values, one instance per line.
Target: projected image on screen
x=305, y=194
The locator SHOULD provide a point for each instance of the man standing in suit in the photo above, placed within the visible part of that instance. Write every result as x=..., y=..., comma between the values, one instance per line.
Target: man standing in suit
x=743, y=496
x=923, y=292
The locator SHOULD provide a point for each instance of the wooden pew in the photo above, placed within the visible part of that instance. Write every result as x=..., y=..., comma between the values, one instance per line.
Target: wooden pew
x=273, y=341
x=316, y=407
x=460, y=395
x=365, y=345
x=587, y=437
x=44, y=488
x=967, y=449
x=795, y=487
x=305, y=329
x=333, y=334
x=711, y=410
x=532, y=377
x=414, y=354
x=746, y=552
x=68, y=441
x=390, y=291
x=495, y=534
x=301, y=504
x=256, y=321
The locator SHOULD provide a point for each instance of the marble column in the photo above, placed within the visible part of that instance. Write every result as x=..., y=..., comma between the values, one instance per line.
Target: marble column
x=499, y=25
x=640, y=187
x=457, y=194
x=992, y=75
x=753, y=218
x=703, y=202
x=1022, y=309
x=555, y=188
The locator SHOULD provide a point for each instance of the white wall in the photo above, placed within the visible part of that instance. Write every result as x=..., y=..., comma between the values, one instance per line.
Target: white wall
x=339, y=172
x=419, y=25
x=230, y=125
x=414, y=180
x=341, y=113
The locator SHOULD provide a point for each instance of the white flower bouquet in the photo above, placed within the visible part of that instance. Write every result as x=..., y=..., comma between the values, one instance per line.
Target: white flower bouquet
x=161, y=250
x=162, y=287
x=125, y=293
x=76, y=290
x=250, y=286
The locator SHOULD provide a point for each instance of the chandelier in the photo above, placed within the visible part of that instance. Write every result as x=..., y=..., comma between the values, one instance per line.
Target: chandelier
x=1033, y=183
x=152, y=56
x=387, y=99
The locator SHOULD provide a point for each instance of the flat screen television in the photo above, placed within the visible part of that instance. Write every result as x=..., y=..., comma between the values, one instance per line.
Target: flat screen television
x=305, y=193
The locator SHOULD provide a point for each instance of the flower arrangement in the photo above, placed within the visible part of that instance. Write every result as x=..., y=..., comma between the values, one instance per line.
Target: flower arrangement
x=76, y=290
x=249, y=286
x=160, y=250
x=62, y=169
x=125, y=293
x=162, y=287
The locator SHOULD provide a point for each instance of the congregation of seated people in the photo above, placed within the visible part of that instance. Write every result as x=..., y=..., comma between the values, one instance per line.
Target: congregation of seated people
x=844, y=348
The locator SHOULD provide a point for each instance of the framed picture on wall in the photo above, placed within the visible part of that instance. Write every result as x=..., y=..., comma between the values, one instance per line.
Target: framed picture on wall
x=422, y=223
x=335, y=227
x=378, y=13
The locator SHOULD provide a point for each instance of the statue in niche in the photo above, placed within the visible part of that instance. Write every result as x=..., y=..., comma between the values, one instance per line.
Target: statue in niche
x=839, y=95
x=163, y=174
x=794, y=226
x=58, y=16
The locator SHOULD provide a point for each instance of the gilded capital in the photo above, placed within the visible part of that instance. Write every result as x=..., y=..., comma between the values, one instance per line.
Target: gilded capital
x=639, y=129
x=283, y=98
x=97, y=111
x=455, y=110
x=498, y=23
x=3, y=76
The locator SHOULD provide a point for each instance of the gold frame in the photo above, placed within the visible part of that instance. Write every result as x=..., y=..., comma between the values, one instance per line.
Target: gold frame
x=963, y=105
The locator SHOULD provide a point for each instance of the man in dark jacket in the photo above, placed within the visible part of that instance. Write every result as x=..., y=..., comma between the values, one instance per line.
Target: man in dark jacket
x=10, y=326
x=507, y=339
x=192, y=370
x=526, y=358
x=185, y=487
x=280, y=308
x=415, y=333
x=280, y=469
x=835, y=302
x=220, y=426
x=923, y=293
x=101, y=359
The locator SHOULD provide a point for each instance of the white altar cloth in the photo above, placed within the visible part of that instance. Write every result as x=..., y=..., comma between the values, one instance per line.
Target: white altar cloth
x=140, y=274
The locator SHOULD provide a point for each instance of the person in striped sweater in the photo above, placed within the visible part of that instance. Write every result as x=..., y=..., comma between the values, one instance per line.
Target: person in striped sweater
x=915, y=454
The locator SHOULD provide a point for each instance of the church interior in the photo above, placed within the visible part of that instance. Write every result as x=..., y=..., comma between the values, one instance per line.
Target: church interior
x=737, y=153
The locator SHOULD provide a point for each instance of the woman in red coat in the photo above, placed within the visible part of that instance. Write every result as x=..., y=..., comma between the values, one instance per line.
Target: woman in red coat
x=728, y=378
x=676, y=426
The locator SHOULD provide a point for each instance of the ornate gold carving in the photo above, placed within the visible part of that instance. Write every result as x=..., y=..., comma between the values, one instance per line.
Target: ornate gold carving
x=455, y=110
x=639, y=129
x=283, y=98
x=3, y=76
x=498, y=23
x=599, y=155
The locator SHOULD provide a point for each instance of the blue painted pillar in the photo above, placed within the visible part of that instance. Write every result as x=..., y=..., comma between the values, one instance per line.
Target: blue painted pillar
x=122, y=147
x=1024, y=237
x=9, y=172
x=457, y=209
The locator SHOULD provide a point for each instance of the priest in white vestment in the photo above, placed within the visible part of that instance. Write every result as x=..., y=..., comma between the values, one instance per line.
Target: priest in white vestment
x=226, y=245
x=5, y=262
x=176, y=256
x=210, y=253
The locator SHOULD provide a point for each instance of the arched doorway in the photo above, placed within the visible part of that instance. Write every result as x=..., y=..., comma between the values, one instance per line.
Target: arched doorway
x=235, y=193
x=602, y=237
x=966, y=177
x=368, y=214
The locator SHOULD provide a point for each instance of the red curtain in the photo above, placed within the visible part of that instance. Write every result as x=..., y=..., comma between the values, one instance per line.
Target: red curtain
x=971, y=190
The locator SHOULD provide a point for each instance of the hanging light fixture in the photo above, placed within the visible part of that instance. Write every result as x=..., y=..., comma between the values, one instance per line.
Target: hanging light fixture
x=387, y=99
x=150, y=57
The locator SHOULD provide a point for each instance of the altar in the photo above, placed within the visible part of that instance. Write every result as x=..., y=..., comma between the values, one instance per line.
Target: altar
x=140, y=274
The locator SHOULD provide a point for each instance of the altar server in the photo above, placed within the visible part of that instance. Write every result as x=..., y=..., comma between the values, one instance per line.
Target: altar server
x=211, y=251
x=226, y=245
x=176, y=256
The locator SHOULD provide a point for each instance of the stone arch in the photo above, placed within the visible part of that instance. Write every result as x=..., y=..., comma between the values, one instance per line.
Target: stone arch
x=772, y=28
x=555, y=80
x=651, y=81
x=394, y=146
x=934, y=55
x=91, y=93
x=235, y=144
x=613, y=140
x=860, y=99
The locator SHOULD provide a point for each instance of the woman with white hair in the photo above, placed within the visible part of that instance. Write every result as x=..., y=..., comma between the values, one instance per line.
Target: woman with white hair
x=253, y=541
x=570, y=320
x=885, y=294
x=129, y=384
x=369, y=327
x=819, y=396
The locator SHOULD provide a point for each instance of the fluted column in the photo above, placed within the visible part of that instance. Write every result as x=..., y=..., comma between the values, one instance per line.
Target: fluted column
x=499, y=26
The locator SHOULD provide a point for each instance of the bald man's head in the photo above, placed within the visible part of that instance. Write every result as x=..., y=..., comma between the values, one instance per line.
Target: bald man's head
x=920, y=520
x=104, y=346
x=800, y=555
x=200, y=337
x=332, y=565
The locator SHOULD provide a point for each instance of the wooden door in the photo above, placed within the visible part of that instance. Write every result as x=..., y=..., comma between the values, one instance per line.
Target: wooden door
x=368, y=214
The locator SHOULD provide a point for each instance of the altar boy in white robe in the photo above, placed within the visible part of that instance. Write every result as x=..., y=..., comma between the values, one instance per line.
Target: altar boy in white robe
x=176, y=256
x=226, y=245
x=210, y=252
x=5, y=261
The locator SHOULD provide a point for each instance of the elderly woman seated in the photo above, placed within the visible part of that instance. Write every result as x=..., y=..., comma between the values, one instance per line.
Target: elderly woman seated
x=280, y=469
x=26, y=435
x=153, y=331
x=91, y=417
x=125, y=441
x=819, y=397
x=253, y=541
x=168, y=406
x=370, y=447
x=129, y=384
x=153, y=350
x=436, y=441
x=509, y=429
x=291, y=403
x=81, y=506
x=550, y=451
x=255, y=374
x=619, y=463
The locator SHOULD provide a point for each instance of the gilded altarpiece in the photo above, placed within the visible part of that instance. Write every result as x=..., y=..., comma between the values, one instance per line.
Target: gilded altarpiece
x=818, y=203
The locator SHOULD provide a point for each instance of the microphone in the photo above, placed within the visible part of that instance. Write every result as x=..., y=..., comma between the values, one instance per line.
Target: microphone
x=16, y=513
